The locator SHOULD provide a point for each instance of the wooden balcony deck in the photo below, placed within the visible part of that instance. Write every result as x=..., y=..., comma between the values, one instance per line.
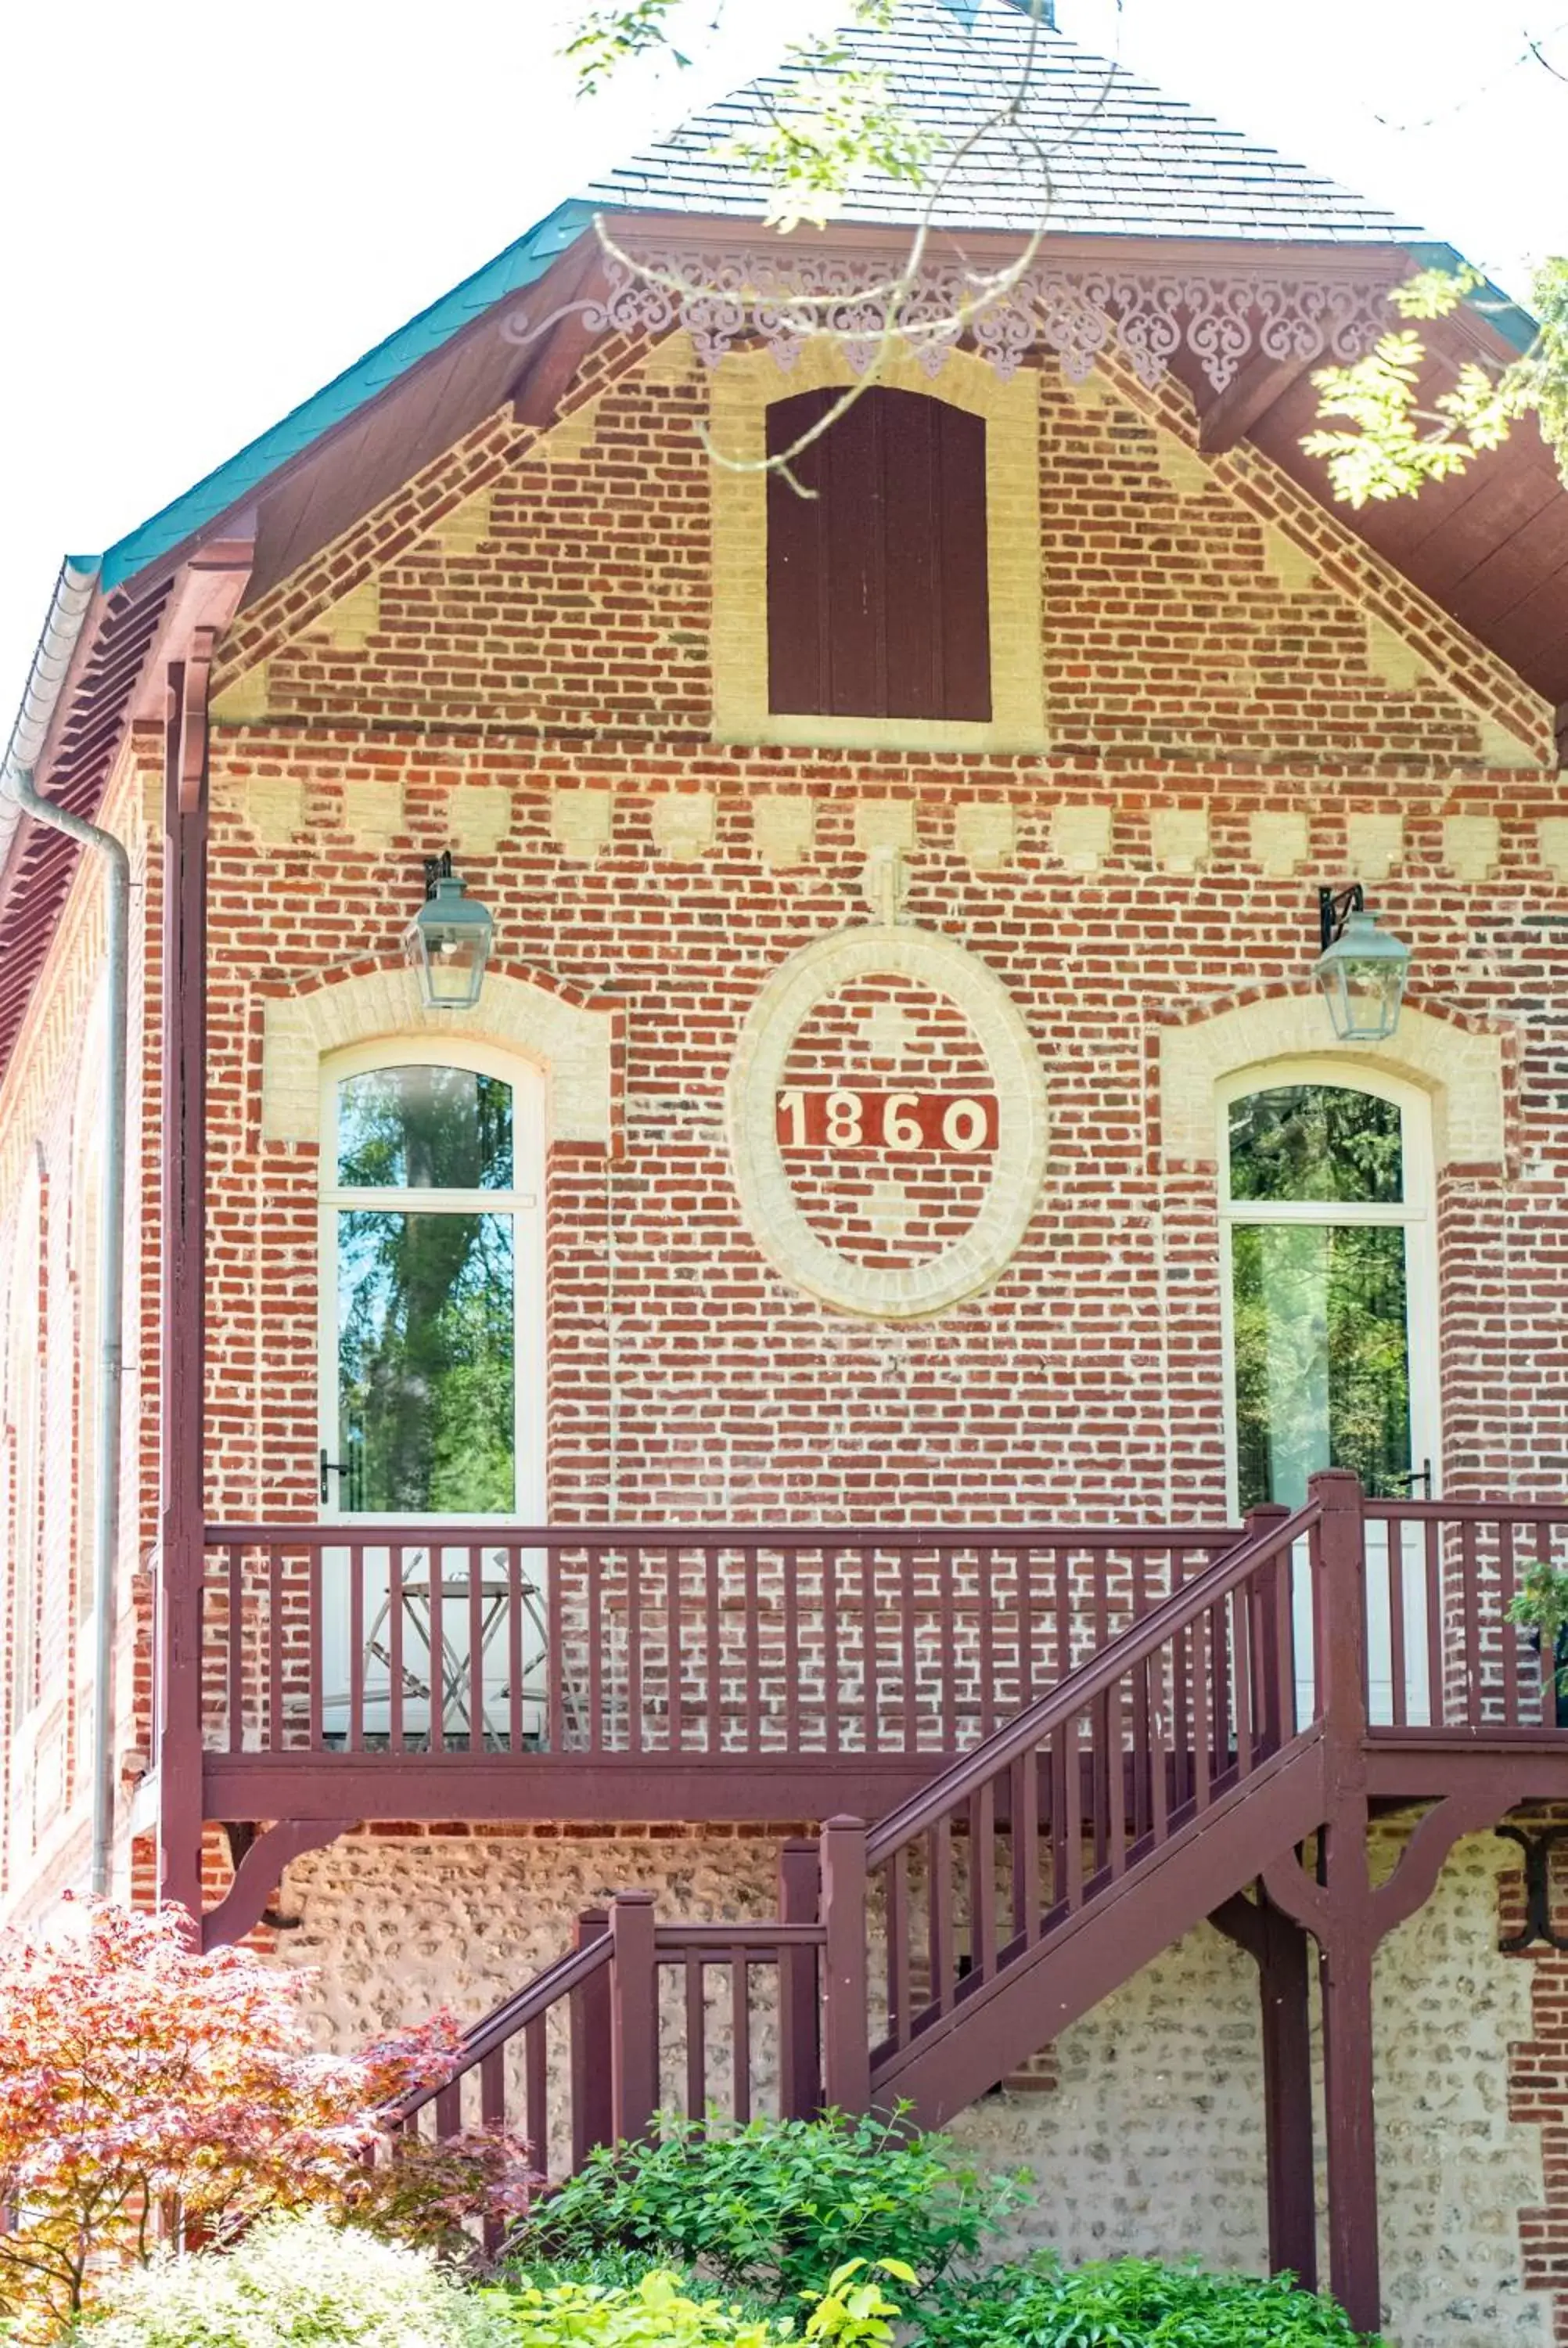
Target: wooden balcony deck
x=767, y=1674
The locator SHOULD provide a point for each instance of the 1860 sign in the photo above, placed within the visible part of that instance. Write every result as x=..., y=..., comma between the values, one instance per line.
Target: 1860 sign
x=788, y=1128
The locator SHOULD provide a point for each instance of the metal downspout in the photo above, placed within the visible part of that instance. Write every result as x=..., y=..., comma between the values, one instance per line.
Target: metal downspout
x=73, y=595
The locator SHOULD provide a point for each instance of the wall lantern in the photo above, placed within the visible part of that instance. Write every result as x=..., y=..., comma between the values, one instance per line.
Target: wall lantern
x=1361, y=969
x=449, y=940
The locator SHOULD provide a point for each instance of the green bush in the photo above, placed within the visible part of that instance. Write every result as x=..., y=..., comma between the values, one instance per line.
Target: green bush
x=294, y=2283
x=850, y=2311
x=1129, y=2303
x=773, y=2208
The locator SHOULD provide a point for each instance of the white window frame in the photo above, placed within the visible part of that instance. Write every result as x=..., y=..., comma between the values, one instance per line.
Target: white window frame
x=1414, y=1213
x=524, y=1202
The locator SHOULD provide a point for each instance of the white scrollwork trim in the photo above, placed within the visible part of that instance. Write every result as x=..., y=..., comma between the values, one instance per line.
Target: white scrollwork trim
x=724, y=298
x=768, y=1203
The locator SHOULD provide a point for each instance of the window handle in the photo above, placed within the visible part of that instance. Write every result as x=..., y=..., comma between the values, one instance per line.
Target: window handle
x=1421, y=1476
x=335, y=1467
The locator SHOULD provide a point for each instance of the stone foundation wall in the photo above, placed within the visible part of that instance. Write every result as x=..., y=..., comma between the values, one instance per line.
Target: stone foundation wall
x=1152, y=2139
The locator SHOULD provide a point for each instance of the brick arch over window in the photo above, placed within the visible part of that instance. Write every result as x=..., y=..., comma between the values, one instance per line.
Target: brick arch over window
x=878, y=578
x=1460, y=1071
x=577, y=1039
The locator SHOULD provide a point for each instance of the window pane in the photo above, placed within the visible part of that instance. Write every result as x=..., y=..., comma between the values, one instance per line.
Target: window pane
x=426, y=1363
x=1322, y=1359
x=424, y=1129
x=1316, y=1141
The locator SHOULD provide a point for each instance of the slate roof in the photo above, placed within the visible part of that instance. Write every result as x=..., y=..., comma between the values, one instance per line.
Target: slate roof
x=1125, y=160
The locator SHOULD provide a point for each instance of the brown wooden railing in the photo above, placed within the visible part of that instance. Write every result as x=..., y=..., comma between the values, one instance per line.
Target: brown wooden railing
x=644, y=2016
x=620, y=1644
x=1442, y=1655
x=1012, y=1844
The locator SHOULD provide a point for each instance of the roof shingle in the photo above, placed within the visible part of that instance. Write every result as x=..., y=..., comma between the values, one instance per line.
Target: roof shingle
x=1124, y=159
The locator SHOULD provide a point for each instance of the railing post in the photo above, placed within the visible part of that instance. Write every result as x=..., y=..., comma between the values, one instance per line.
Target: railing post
x=592, y=2109
x=1339, y=1565
x=634, y=2014
x=1348, y=1938
x=846, y=2024
x=800, y=2058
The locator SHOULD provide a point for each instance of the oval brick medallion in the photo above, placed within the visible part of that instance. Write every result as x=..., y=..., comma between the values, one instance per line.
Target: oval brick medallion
x=887, y=1117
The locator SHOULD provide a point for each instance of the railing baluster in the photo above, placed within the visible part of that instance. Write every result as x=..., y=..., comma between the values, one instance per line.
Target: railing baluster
x=1200, y=1712
x=1506, y=1576
x=634, y=1743
x=696, y=2035
x=356, y=1648
x=672, y=1646
x=1436, y=1676
x=1063, y=1613
x=1240, y=1646
x=536, y=2090
x=236, y=1648
x=907, y=1664
x=830, y=1649
x=789, y=1566
x=1071, y=1813
x=476, y=1733
x=276, y=1652
x=713, y=1741
x=314, y=1666
x=1115, y=1782
x=939, y=1894
x=1394, y=1548
x=598, y=1737
x=554, y=1666
x=754, y=1659
x=1100, y=1778
x=396, y=1694
x=741, y=2031
x=870, y=1692
x=898, y=2013
x=1470, y=1598
x=947, y=1645
x=1024, y=1806
x=983, y=1880
x=985, y=1566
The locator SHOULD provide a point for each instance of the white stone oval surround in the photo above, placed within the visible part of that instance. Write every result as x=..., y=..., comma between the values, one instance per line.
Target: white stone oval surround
x=768, y=1202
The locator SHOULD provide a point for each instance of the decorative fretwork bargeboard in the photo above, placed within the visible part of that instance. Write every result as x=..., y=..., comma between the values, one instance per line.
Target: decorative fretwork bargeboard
x=1224, y=320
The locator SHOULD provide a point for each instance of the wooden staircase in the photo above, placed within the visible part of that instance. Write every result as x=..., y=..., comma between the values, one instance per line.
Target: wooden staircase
x=1180, y=1770
x=1016, y=1890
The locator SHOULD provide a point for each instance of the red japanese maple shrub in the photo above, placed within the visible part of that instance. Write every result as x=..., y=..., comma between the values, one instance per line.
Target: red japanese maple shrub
x=143, y=2085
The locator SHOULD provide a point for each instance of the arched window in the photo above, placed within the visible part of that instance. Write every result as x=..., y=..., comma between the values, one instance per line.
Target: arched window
x=432, y=1401
x=23, y=1397
x=878, y=582
x=1329, y=1281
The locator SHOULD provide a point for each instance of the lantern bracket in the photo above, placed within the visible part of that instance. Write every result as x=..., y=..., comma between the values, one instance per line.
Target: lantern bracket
x=1335, y=907
x=437, y=869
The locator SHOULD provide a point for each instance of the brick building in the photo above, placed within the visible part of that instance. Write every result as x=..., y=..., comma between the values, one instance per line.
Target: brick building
x=882, y=1265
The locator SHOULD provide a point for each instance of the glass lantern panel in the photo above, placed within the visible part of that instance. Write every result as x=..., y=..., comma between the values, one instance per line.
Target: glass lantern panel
x=425, y=1128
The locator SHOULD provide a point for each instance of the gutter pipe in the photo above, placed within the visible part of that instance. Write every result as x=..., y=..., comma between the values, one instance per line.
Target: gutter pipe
x=73, y=593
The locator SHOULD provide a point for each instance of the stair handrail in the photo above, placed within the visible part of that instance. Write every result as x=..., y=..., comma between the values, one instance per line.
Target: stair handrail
x=1080, y=1685
x=493, y=2030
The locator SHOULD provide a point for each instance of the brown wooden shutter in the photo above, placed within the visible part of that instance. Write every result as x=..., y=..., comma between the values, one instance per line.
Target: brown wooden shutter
x=878, y=591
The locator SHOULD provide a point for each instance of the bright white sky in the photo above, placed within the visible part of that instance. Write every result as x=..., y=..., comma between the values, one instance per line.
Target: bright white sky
x=208, y=212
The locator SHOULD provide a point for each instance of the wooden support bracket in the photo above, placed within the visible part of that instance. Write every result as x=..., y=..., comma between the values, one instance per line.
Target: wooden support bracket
x=258, y=1870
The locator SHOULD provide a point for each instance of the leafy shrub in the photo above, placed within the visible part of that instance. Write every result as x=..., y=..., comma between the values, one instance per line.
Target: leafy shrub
x=137, y=2075
x=294, y=2283
x=1129, y=2303
x=774, y=2207
x=661, y=2311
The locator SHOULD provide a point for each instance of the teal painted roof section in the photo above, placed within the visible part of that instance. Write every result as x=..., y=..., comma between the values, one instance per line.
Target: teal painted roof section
x=522, y=264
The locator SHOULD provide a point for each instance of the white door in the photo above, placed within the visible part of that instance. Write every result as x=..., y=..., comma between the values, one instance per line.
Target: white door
x=1331, y=1322
x=431, y=1392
